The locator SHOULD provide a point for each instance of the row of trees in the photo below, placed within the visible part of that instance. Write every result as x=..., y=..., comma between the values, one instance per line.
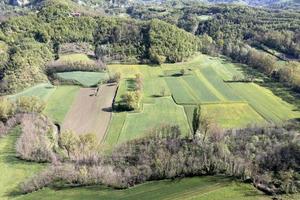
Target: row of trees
x=24, y=104
x=251, y=154
x=132, y=100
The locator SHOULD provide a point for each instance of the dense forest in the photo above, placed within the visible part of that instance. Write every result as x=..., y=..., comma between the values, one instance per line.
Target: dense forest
x=113, y=39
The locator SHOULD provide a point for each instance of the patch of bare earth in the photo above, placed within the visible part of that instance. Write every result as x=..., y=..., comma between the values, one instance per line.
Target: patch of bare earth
x=91, y=113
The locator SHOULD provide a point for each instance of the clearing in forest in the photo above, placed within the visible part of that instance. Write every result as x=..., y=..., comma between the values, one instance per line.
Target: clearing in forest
x=91, y=113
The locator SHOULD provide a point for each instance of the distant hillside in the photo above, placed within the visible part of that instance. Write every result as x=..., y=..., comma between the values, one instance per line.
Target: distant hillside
x=97, y=3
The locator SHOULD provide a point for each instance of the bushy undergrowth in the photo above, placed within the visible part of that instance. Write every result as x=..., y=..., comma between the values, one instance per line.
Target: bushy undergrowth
x=38, y=139
x=252, y=154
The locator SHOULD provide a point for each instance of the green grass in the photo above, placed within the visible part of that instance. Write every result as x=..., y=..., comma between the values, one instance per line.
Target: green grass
x=87, y=79
x=60, y=102
x=200, y=188
x=180, y=93
x=12, y=170
x=200, y=90
x=115, y=128
x=217, y=82
x=43, y=91
x=271, y=107
x=228, y=115
x=76, y=57
x=164, y=111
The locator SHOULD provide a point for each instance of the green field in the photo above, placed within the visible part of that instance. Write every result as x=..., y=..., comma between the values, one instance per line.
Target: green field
x=200, y=188
x=12, y=170
x=228, y=115
x=87, y=79
x=164, y=111
x=43, y=91
x=271, y=107
x=60, y=102
x=207, y=81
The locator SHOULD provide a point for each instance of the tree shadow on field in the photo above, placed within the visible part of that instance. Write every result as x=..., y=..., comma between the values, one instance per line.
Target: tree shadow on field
x=109, y=109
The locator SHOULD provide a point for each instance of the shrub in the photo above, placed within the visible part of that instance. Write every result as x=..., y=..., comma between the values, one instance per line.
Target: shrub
x=131, y=100
x=7, y=109
x=38, y=139
x=30, y=104
x=114, y=78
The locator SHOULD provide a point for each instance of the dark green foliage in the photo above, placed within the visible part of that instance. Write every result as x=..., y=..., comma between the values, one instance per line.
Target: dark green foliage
x=120, y=39
x=196, y=119
x=170, y=42
x=25, y=66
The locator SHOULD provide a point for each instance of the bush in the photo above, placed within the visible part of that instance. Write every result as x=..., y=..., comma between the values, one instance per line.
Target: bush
x=38, y=139
x=7, y=109
x=268, y=156
x=114, y=78
x=30, y=105
x=131, y=100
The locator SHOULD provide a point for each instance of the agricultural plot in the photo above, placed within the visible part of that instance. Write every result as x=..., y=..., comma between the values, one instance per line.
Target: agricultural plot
x=200, y=188
x=180, y=93
x=210, y=76
x=203, y=93
x=271, y=107
x=91, y=111
x=87, y=79
x=228, y=115
x=163, y=112
x=60, y=102
x=43, y=91
x=115, y=128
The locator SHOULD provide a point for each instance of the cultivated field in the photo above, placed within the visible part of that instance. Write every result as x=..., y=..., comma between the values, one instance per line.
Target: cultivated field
x=91, y=111
x=87, y=79
x=206, y=81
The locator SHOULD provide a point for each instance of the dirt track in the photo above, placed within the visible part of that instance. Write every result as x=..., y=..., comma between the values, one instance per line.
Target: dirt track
x=90, y=113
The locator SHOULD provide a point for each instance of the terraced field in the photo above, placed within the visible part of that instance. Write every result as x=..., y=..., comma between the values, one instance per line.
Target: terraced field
x=228, y=114
x=271, y=107
x=207, y=81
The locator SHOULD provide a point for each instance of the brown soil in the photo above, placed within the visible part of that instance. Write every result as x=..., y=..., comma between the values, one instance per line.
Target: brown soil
x=91, y=113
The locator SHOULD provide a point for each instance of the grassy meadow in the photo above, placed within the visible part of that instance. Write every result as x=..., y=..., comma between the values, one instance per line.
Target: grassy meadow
x=87, y=79
x=12, y=170
x=200, y=188
x=60, y=102
x=43, y=91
